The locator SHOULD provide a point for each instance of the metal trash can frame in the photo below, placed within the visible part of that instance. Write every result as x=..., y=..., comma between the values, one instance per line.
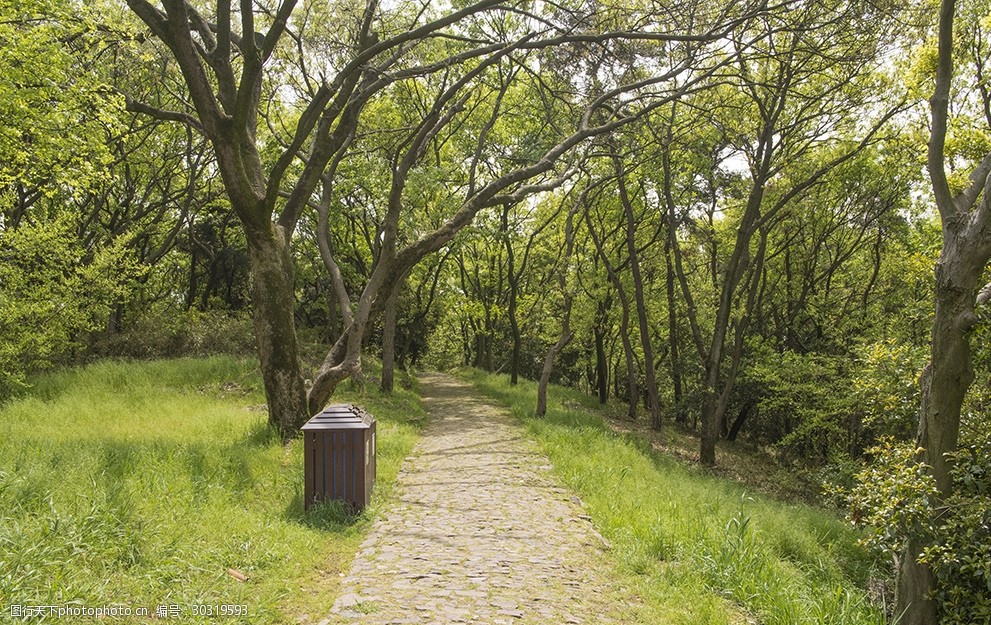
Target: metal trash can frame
x=339, y=456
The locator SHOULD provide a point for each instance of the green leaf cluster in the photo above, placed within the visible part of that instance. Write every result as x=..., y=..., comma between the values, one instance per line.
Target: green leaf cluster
x=895, y=497
x=52, y=291
x=55, y=109
x=960, y=554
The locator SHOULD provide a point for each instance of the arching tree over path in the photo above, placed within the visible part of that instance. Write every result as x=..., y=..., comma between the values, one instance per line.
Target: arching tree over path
x=228, y=62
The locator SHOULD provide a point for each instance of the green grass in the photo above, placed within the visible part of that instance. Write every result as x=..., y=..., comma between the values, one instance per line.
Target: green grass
x=141, y=484
x=697, y=548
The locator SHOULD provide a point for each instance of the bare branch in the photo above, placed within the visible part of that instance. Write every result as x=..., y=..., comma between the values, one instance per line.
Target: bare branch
x=170, y=116
x=938, y=106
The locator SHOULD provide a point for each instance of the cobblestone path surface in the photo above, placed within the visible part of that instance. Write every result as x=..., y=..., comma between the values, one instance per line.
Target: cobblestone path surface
x=481, y=533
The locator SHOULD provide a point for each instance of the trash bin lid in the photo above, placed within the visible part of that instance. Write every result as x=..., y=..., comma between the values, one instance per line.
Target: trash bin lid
x=340, y=417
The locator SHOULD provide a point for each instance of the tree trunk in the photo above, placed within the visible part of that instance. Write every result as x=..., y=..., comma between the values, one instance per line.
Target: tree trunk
x=565, y=338
x=741, y=418
x=679, y=404
x=115, y=319
x=389, y=343
x=711, y=415
x=514, y=325
x=344, y=358
x=949, y=375
x=273, y=298
x=514, y=287
x=601, y=365
x=489, y=364
x=624, y=324
x=631, y=363
x=715, y=390
x=466, y=343
x=191, y=283
x=545, y=373
x=710, y=423
x=966, y=221
x=653, y=398
x=478, y=360
x=944, y=386
x=914, y=585
x=616, y=390
x=343, y=299
x=334, y=325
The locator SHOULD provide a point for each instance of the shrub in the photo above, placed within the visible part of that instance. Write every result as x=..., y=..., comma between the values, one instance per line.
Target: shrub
x=961, y=554
x=802, y=404
x=897, y=498
x=886, y=388
x=188, y=333
x=52, y=291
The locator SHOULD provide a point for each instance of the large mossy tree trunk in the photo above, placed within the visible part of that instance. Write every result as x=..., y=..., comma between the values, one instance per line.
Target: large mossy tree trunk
x=223, y=75
x=272, y=295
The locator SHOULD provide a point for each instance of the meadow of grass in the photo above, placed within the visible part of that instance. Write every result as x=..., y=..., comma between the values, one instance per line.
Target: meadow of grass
x=699, y=549
x=146, y=484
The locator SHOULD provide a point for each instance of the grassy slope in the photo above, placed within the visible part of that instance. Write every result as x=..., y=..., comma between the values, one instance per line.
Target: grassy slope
x=140, y=484
x=699, y=549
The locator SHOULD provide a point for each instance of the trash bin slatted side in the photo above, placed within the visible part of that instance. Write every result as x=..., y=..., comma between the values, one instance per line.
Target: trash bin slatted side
x=309, y=468
x=369, y=471
x=327, y=460
x=357, y=463
x=340, y=467
x=339, y=456
x=365, y=481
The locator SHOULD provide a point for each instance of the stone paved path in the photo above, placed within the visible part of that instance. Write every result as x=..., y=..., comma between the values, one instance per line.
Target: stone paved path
x=481, y=533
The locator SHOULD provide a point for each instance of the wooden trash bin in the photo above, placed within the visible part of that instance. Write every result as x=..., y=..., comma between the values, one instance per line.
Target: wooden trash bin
x=339, y=456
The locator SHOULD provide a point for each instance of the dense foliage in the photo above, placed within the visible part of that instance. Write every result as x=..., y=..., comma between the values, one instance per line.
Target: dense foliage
x=894, y=497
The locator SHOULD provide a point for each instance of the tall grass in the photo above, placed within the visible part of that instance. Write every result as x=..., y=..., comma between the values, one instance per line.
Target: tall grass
x=142, y=484
x=699, y=549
